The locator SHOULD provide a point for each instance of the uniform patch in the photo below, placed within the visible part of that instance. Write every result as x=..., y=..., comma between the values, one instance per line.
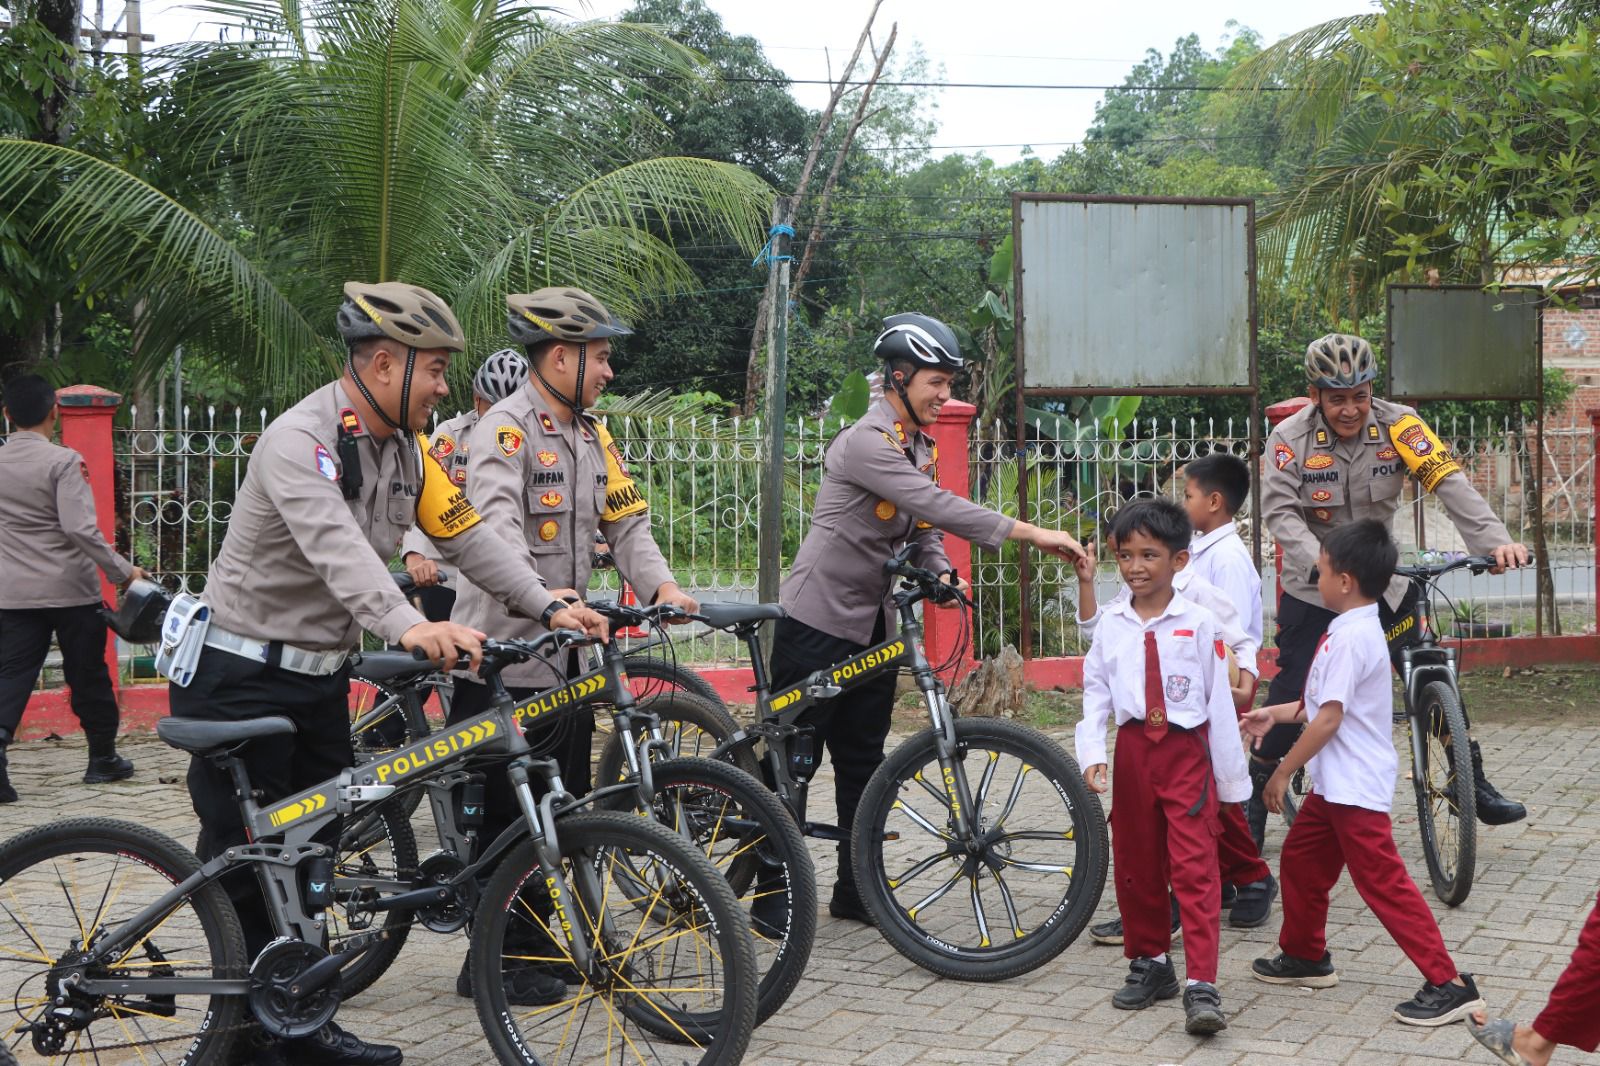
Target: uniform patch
x=325, y=464
x=83, y=468
x=885, y=510
x=548, y=477
x=1321, y=477
x=1323, y=514
x=509, y=438
x=1322, y=496
x=1318, y=462
x=1177, y=687
x=924, y=525
x=349, y=420
x=1183, y=632
x=443, y=447
x=1415, y=437
x=1385, y=454
x=1425, y=455
x=460, y=475
x=548, y=458
x=616, y=454
x=1282, y=455
x=549, y=530
x=552, y=499
x=1222, y=649
x=900, y=431
x=547, y=423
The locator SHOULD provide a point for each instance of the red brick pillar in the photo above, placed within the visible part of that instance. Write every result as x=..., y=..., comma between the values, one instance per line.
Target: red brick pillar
x=87, y=412
x=1275, y=414
x=1594, y=424
x=951, y=436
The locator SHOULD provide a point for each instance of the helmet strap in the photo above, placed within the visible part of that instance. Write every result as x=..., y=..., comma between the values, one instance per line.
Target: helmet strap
x=574, y=402
x=905, y=401
x=372, y=402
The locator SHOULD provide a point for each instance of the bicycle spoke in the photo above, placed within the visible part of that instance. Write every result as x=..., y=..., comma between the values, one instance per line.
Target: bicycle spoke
x=978, y=914
x=1016, y=794
x=921, y=822
x=933, y=897
x=919, y=869
x=983, y=784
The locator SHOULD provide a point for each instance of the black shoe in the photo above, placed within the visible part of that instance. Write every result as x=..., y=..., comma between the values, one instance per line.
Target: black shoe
x=1229, y=893
x=7, y=793
x=1254, y=904
x=1436, y=1005
x=1202, y=1010
x=1148, y=981
x=1110, y=932
x=846, y=904
x=331, y=1046
x=113, y=767
x=1285, y=969
x=1493, y=808
x=769, y=913
x=530, y=986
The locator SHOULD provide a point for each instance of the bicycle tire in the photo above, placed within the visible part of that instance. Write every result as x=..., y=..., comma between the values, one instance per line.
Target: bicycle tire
x=651, y=668
x=358, y=839
x=1447, y=811
x=693, y=725
x=749, y=835
x=204, y=920
x=406, y=724
x=934, y=946
x=704, y=918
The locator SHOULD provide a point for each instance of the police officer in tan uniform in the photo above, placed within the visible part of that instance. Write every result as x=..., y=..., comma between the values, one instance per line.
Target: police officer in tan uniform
x=546, y=475
x=880, y=490
x=332, y=486
x=501, y=374
x=50, y=547
x=1347, y=456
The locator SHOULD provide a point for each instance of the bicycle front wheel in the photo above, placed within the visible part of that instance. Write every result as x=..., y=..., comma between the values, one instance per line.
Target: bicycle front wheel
x=68, y=885
x=1446, y=791
x=673, y=962
x=650, y=675
x=1014, y=894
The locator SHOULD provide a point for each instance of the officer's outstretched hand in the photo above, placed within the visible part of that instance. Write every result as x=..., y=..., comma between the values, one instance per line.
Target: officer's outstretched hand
x=1509, y=557
x=1058, y=543
x=442, y=642
x=671, y=595
x=578, y=616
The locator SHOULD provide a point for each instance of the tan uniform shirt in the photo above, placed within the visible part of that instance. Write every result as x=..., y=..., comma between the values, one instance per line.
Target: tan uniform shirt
x=50, y=543
x=303, y=565
x=449, y=444
x=543, y=483
x=880, y=489
x=1313, y=482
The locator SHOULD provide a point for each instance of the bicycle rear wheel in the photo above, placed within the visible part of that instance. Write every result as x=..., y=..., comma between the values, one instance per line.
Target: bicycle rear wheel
x=651, y=675
x=70, y=883
x=383, y=718
x=376, y=847
x=1446, y=791
x=673, y=961
x=693, y=726
x=1032, y=877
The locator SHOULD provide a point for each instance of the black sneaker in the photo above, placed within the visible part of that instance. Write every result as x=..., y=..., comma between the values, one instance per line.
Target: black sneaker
x=530, y=986
x=1253, y=905
x=1148, y=981
x=1202, y=1010
x=113, y=767
x=1110, y=932
x=330, y=1046
x=1436, y=1005
x=1302, y=973
x=846, y=904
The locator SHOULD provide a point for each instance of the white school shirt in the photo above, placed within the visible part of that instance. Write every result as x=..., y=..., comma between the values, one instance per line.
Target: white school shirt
x=1357, y=766
x=1194, y=679
x=1222, y=559
x=1202, y=593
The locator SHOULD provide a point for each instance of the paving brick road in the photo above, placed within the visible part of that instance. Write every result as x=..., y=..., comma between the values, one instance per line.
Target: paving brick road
x=862, y=1003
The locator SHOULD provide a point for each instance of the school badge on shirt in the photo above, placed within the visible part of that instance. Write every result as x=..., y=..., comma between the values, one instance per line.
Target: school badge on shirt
x=1177, y=688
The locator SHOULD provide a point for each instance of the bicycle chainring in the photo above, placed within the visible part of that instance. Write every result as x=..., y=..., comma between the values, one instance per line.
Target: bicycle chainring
x=451, y=916
x=278, y=1008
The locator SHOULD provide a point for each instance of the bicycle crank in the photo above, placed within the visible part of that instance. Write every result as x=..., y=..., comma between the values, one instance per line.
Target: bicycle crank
x=278, y=996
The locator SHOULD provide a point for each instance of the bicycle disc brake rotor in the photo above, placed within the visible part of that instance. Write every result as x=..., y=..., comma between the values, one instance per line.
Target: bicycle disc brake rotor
x=274, y=999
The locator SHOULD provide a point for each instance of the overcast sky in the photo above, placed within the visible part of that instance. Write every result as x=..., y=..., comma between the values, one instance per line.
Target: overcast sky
x=1027, y=41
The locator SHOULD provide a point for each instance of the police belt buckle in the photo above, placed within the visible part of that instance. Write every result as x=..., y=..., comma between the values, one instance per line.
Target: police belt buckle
x=295, y=660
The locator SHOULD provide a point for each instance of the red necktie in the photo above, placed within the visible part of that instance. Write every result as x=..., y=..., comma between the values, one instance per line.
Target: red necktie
x=1155, y=699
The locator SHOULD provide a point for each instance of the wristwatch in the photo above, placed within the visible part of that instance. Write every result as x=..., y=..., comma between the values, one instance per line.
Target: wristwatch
x=550, y=612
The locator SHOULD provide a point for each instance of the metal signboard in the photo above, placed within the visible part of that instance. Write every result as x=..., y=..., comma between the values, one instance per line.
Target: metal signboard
x=1460, y=342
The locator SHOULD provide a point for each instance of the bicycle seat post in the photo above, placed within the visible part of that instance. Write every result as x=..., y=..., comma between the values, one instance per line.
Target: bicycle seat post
x=230, y=760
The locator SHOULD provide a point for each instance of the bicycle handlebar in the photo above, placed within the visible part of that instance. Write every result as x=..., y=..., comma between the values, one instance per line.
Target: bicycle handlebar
x=499, y=653
x=1428, y=571
x=408, y=584
x=930, y=584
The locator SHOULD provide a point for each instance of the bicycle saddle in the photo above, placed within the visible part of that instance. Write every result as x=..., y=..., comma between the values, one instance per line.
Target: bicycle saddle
x=390, y=666
x=728, y=615
x=200, y=736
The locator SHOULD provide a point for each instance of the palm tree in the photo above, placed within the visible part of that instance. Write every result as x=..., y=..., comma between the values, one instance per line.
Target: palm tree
x=472, y=146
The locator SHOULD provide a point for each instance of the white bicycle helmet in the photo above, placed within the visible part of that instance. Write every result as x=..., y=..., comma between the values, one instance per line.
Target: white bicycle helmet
x=500, y=375
x=1340, y=361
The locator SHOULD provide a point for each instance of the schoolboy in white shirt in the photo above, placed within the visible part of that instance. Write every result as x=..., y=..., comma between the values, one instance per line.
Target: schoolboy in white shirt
x=1215, y=487
x=1158, y=669
x=1344, y=822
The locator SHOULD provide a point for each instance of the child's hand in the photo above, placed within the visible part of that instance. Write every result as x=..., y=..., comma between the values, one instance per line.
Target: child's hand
x=1083, y=565
x=1256, y=722
x=1095, y=777
x=1277, y=787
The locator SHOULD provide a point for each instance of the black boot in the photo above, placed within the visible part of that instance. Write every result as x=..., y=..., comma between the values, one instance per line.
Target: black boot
x=7, y=793
x=1493, y=808
x=104, y=762
x=1255, y=812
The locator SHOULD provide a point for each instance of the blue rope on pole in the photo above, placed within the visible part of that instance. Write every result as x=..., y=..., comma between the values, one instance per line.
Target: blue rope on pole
x=765, y=255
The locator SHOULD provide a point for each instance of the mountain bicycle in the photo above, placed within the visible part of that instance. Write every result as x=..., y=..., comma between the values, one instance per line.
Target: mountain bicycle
x=725, y=811
x=121, y=945
x=1442, y=774
x=992, y=807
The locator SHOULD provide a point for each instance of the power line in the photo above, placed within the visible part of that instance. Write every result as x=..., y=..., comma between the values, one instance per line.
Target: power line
x=753, y=80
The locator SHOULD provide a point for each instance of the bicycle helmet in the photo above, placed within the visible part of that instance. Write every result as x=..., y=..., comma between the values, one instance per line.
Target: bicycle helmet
x=1340, y=361
x=409, y=314
x=562, y=315
x=500, y=375
x=921, y=340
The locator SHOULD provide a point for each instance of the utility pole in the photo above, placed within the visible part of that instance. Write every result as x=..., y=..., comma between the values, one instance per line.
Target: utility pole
x=770, y=540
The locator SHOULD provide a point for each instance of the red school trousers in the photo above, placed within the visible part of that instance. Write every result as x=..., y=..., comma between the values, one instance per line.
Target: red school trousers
x=1238, y=861
x=1570, y=1017
x=1164, y=831
x=1327, y=837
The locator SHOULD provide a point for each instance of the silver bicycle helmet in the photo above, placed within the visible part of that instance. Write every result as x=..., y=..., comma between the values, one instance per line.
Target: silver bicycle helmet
x=500, y=375
x=1340, y=361
x=921, y=340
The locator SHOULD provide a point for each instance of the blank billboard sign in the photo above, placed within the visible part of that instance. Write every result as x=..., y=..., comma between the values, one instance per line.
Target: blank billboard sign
x=1460, y=342
x=1131, y=294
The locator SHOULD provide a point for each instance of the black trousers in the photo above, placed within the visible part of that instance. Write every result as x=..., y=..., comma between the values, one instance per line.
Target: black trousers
x=81, y=632
x=229, y=687
x=1301, y=626
x=853, y=725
